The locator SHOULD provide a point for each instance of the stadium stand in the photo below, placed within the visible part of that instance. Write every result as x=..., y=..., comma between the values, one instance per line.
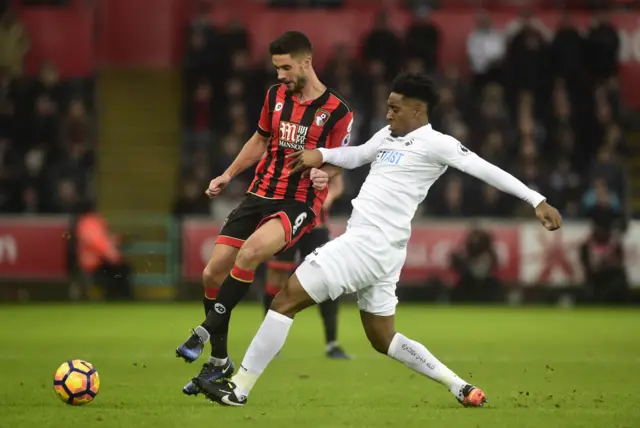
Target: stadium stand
x=535, y=104
x=47, y=131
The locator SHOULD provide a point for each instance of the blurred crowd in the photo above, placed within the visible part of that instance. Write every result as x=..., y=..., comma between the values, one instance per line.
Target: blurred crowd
x=46, y=132
x=543, y=105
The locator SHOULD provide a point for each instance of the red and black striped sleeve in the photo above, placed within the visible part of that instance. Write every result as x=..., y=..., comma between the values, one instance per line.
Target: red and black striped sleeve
x=264, y=124
x=340, y=134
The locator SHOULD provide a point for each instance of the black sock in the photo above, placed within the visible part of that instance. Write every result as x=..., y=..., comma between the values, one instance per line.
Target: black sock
x=232, y=290
x=218, y=337
x=329, y=312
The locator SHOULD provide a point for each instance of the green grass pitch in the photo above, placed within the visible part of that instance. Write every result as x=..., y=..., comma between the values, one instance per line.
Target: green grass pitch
x=540, y=367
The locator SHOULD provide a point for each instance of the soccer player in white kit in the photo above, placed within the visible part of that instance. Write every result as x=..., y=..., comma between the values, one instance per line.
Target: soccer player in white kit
x=406, y=158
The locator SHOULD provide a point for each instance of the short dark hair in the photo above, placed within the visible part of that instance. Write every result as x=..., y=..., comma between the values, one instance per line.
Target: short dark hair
x=418, y=86
x=292, y=43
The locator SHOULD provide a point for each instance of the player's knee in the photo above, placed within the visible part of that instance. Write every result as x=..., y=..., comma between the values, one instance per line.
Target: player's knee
x=210, y=277
x=380, y=344
x=291, y=299
x=285, y=303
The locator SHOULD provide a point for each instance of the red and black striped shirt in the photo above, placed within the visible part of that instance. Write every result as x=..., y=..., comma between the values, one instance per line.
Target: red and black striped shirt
x=292, y=126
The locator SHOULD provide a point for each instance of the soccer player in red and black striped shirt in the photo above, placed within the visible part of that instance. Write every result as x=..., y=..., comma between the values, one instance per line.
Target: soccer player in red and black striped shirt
x=280, y=206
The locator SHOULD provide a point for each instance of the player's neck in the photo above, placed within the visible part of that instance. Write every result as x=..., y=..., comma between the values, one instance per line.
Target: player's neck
x=419, y=124
x=312, y=90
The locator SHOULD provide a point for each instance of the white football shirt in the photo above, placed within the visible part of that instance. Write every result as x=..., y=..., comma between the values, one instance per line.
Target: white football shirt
x=403, y=170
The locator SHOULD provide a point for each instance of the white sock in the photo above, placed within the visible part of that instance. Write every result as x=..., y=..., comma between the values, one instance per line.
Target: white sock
x=202, y=332
x=218, y=362
x=331, y=345
x=415, y=356
x=265, y=345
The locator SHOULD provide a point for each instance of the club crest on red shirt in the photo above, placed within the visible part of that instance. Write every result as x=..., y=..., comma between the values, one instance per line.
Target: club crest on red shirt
x=321, y=117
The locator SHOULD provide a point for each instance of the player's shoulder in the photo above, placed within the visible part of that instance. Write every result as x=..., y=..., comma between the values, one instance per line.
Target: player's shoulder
x=435, y=140
x=338, y=105
x=334, y=95
x=273, y=90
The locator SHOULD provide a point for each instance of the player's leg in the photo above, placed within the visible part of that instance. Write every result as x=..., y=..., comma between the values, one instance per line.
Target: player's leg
x=236, y=229
x=326, y=274
x=265, y=345
x=219, y=365
x=318, y=237
x=274, y=233
x=265, y=241
x=377, y=310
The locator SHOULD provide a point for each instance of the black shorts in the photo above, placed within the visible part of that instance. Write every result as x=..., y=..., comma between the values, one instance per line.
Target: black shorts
x=297, y=219
x=286, y=260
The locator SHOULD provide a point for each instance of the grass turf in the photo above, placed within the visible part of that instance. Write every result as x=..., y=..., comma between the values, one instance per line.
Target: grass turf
x=539, y=368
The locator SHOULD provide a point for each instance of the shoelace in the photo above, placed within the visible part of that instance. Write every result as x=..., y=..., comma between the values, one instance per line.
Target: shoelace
x=194, y=340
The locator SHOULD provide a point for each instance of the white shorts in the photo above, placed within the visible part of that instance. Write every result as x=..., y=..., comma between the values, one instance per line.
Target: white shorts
x=359, y=261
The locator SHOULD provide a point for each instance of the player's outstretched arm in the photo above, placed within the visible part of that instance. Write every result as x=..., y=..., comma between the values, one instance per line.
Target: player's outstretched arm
x=343, y=157
x=451, y=152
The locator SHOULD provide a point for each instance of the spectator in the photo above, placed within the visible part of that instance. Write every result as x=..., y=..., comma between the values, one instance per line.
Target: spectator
x=75, y=126
x=66, y=199
x=564, y=185
x=14, y=43
x=567, y=50
x=48, y=85
x=526, y=19
x=199, y=61
x=609, y=169
x=486, y=49
x=198, y=115
x=422, y=41
x=99, y=256
x=382, y=44
x=7, y=107
x=475, y=264
x=235, y=38
x=529, y=63
x=603, y=45
x=603, y=261
x=9, y=168
x=601, y=204
x=45, y=126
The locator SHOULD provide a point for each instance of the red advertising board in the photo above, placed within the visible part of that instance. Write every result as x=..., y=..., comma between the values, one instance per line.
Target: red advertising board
x=33, y=248
x=36, y=248
x=427, y=255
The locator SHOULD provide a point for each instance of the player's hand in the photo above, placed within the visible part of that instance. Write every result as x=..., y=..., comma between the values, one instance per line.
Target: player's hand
x=305, y=159
x=217, y=185
x=548, y=216
x=319, y=178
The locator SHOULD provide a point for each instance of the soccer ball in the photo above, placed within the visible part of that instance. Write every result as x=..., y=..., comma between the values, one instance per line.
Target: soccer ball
x=76, y=382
